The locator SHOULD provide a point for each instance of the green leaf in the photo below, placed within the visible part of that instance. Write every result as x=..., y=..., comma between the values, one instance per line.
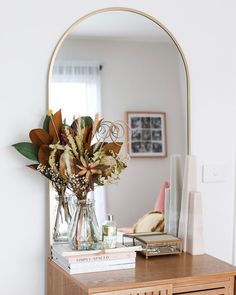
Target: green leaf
x=27, y=149
x=64, y=125
x=86, y=121
x=46, y=123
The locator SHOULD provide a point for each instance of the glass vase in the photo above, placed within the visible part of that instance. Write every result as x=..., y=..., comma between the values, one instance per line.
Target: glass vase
x=84, y=229
x=62, y=217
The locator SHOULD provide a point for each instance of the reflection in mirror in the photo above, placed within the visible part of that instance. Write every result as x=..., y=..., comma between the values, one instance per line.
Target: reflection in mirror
x=115, y=62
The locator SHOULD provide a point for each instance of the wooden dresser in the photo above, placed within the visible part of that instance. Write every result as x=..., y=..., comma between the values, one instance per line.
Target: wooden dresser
x=166, y=275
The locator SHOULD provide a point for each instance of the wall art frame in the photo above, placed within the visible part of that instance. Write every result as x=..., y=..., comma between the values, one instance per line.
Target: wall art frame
x=146, y=134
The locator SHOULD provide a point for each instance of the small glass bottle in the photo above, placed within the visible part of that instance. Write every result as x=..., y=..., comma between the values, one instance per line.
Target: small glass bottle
x=109, y=232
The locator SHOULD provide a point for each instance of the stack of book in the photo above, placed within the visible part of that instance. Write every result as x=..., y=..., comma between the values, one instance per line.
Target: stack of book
x=75, y=262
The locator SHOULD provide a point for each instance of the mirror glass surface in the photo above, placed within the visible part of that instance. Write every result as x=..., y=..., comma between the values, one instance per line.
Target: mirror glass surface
x=115, y=62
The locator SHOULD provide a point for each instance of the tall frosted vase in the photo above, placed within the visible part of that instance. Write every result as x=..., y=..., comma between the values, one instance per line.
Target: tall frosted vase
x=84, y=230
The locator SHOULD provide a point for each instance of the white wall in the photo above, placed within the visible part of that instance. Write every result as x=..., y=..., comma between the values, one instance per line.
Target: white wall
x=29, y=32
x=137, y=76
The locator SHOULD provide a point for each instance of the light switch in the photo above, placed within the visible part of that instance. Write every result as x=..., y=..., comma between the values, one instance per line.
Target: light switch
x=214, y=173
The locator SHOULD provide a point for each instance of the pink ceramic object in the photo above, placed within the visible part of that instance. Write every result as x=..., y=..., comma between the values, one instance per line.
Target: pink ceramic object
x=160, y=203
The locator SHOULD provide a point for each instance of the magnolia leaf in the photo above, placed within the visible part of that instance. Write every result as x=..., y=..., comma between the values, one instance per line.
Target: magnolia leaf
x=39, y=137
x=33, y=166
x=43, y=154
x=86, y=121
x=46, y=123
x=112, y=146
x=55, y=125
x=27, y=149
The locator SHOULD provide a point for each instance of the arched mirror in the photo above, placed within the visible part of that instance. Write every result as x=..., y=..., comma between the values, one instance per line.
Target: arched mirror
x=119, y=62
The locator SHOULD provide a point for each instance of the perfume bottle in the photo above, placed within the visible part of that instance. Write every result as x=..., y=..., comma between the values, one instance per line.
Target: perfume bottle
x=109, y=232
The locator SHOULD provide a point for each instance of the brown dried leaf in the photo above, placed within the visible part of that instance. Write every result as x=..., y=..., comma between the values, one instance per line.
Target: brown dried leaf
x=90, y=137
x=43, y=154
x=88, y=149
x=76, y=125
x=39, y=137
x=112, y=146
x=96, y=124
x=55, y=126
x=62, y=167
x=87, y=134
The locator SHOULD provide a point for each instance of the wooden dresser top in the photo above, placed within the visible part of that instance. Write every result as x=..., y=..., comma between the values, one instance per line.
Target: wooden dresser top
x=155, y=270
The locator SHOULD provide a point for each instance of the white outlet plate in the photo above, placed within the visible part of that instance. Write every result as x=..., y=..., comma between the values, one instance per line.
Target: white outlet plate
x=214, y=173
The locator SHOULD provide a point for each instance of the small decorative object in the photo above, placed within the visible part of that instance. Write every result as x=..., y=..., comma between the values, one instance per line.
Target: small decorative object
x=173, y=207
x=109, y=232
x=189, y=184
x=78, y=157
x=195, y=240
x=156, y=244
x=146, y=134
x=167, y=225
x=153, y=221
x=160, y=202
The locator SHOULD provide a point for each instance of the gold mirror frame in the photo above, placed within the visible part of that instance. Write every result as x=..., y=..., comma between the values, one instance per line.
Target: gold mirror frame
x=75, y=24
x=153, y=20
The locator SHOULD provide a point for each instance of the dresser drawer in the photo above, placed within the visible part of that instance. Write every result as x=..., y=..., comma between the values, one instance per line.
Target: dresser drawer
x=205, y=287
x=155, y=290
x=198, y=287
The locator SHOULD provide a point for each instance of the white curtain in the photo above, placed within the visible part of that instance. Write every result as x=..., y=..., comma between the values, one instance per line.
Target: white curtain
x=76, y=89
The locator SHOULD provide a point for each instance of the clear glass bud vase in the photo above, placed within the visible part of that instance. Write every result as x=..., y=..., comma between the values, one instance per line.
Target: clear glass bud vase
x=84, y=229
x=62, y=217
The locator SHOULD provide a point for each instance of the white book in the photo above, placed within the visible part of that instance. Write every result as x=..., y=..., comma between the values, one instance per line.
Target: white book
x=92, y=264
x=65, y=250
x=94, y=268
x=91, y=258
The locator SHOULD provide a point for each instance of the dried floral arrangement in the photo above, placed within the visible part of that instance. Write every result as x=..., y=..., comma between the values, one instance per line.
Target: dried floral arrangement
x=77, y=157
